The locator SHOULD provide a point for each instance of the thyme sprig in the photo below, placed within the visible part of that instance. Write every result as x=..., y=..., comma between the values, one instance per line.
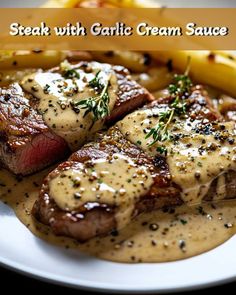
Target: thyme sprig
x=68, y=71
x=179, y=91
x=70, y=74
x=95, y=82
x=98, y=105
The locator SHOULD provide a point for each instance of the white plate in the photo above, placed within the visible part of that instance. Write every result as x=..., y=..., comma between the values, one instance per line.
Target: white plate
x=23, y=252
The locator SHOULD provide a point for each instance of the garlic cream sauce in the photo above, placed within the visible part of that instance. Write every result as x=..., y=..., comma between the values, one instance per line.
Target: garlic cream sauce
x=194, y=159
x=153, y=237
x=117, y=181
x=58, y=93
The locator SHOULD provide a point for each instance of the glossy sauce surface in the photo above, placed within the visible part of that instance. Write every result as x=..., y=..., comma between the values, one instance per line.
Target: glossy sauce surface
x=58, y=92
x=191, y=156
x=154, y=237
x=116, y=181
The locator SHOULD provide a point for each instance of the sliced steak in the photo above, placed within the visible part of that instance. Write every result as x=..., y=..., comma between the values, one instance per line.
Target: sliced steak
x=29, y=142
x=98, y=217
x=26, y=143
x=130, y=95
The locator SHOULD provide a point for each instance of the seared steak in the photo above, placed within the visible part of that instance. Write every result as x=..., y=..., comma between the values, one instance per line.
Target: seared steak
x=26, y=143
x=29, y=143
x=79, y=209
x=96, y=218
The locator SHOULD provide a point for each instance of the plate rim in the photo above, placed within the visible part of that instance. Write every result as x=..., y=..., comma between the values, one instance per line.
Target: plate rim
x=82, y=284
x=48, y=277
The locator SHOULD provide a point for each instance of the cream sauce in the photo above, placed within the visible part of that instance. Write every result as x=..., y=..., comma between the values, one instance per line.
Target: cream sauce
x=56, y=95
x=152, y=237
x=191, y=157
x=116, y=181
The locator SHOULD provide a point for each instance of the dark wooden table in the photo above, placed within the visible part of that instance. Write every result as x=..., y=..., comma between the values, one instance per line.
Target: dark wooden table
x=12, y=281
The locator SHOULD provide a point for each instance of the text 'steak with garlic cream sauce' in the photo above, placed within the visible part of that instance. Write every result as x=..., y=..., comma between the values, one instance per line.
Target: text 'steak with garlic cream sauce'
x=158, y=236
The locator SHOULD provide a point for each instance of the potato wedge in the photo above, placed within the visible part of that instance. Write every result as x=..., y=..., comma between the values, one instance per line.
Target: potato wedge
x=30, y=59
x=134, y=61
x=207, y=67
x=154, y=79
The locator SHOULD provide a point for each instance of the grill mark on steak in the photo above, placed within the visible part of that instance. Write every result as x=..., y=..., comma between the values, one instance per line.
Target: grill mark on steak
x=28, y=145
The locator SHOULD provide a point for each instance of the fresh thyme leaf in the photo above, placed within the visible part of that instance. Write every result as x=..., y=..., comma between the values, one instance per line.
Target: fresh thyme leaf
x=179, y=106
x=161, y=150
x=70, y=73
x=181, y=86
x=201, y=210
x=95, y=82
x=183, y=221
x=67, y=71
x=160, y=131
x=179, y=91
x=98, y=105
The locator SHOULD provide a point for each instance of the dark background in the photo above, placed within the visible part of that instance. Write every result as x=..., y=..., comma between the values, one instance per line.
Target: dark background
x=12, y=282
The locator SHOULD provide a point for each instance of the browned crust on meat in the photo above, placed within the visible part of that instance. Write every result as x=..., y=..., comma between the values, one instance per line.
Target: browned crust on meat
x=18, y=120
x=230, y=186
x=163, y=193
x=199, y=105
x=20, y=126
x=97, y=220
x=130, y=95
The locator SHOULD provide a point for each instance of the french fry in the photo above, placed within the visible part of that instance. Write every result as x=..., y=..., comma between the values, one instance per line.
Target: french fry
x=206, y=67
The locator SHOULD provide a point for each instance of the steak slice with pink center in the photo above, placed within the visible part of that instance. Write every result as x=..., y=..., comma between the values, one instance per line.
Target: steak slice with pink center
x=26, y=143
x=30, y=140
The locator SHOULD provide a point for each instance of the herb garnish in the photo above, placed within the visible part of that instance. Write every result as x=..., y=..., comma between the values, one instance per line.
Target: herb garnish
x=161, y=150
x=183, y=221
x=46, y=89
x=71, y=73
x=179, y=91
x=95, y=82
x=98, y=105
x=201, y=210
x=68, y=72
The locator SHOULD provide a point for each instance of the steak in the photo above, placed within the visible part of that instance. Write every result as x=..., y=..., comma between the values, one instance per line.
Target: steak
x=130, y=95
x=95, y=217
x=85, y=223
x=28, y=144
